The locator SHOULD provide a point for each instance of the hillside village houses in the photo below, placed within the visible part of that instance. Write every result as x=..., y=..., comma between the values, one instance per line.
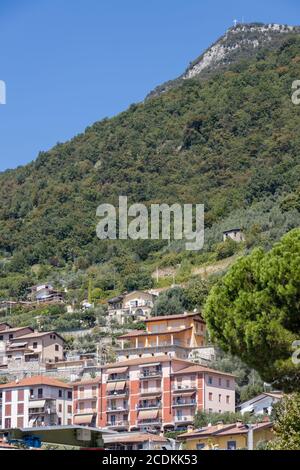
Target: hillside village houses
x=135, y=305
x=235, y=234
x=23, y=345
x=261, y=404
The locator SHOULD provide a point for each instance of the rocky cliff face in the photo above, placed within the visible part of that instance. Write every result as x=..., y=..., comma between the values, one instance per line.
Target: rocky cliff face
x=242, y=41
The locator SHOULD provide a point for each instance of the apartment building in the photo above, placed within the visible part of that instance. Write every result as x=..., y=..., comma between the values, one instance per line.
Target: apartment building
x=35, y=401
x=178, y=335
x=86, y=401
x=135, y=305
x=152, y=394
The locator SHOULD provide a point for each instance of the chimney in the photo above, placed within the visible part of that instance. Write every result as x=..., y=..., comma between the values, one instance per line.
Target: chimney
x=220, y=425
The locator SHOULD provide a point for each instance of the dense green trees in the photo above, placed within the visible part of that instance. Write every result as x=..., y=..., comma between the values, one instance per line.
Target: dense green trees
x=254, y=311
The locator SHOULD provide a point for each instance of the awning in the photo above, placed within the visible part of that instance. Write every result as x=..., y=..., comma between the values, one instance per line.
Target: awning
x=37, y=404
x=17, y=345
x=120, y=370
x=186, y=394
x=83, y=419
x=110, y=387
x=115, y=386
x=120, y=385
x=152, y=397
x=148, y=414
x=150, y=365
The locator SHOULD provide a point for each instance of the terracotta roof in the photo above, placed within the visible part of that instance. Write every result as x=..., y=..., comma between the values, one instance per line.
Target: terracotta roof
x=37, y=335
x=198, y=368
x=36, y=380
x=14, y=330
x=224, y=430
x=175, y=317
x=144, y=360
x=128, y=438
x=135, y=333
x=91, y=381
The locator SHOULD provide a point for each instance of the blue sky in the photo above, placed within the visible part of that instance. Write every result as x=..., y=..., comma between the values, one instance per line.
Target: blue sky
x=69, y=63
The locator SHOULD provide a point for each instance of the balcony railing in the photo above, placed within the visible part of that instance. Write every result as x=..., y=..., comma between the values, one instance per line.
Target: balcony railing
x=156, y=421
x=184, y=387
x=118, y=378
x=145, y=374
x=115, y=424
x=183, y=419
x=144, y=391
x=184, y=403
x=116, y=409
x=148, y=406
x=117, y=393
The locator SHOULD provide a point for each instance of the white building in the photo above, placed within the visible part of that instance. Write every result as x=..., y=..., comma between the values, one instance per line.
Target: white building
x=35, y=401
x=262, y=404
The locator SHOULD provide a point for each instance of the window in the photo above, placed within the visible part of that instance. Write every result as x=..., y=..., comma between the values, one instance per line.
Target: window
x=8, y=396
x=7, y=423
x=59, y=393
x=20, y=422
x=69, y=395
x=80, y=406
x=220, y=382
x=20, y=408
x=69, y=409
x=69, y=422
x=210, y=380
x=227, y=399
x=227, y=383
x=56, y=347
x=210, y=410
x=20, y=395
x=220, y=397
x=231, y=445
x=10, y=336
x=59, y=421
x=34, y=345
x=1, y=338
x=40, y=393
x=60, y=408
x=200, y=446
x=210, y=396
x=94, y=405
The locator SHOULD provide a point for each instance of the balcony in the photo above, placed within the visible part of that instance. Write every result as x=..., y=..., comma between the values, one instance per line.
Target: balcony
x=118, y=424
x=87, y=397
x=118, y=378
x=184, y=387
x=148, y=406
x=184, y=419
x=150, y=374
x=147, y=391
x=117, y=409
x=184, y=403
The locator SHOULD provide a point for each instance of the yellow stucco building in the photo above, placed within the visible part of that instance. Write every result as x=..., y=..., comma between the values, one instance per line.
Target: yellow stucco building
x=226, y=437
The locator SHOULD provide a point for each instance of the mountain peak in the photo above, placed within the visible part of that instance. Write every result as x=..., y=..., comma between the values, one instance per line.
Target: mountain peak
x=241, y=41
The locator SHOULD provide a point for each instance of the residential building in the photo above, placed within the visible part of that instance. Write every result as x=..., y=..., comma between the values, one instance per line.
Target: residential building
x=227, y=436
x=4, y=326
x=135, y=305
x=9, y=334
x=178, y=335
x=235, y=234
x=45, y=293
x=43, y=347
x=35, y=401
x=161, y=393
x=86, y=402
x=261, y=404
x=135, y=441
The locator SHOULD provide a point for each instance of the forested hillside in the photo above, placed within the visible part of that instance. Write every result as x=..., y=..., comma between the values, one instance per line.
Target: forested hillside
x=231, y=141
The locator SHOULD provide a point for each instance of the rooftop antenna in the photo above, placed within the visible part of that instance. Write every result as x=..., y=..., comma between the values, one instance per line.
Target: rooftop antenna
x=235, y=22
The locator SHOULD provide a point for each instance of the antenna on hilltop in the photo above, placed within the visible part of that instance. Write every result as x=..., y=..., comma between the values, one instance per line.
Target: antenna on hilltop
x=235, y=22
